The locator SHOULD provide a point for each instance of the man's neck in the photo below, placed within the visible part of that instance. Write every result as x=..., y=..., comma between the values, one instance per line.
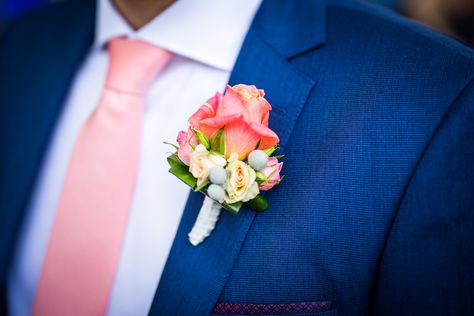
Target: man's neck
x=139, y=12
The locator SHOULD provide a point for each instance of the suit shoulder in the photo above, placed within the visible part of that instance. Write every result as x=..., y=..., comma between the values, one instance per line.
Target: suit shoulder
x=390, y=65
x=382, y=28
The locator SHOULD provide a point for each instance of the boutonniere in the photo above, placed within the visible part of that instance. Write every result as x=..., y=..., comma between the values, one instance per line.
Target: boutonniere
x=226, y=153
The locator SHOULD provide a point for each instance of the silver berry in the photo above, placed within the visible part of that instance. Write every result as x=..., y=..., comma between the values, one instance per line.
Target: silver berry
x=218, y=175
x=216, y=192
x=258, y=159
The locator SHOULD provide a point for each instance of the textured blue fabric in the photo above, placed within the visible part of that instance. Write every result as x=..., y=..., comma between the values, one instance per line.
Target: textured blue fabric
x=376, y=118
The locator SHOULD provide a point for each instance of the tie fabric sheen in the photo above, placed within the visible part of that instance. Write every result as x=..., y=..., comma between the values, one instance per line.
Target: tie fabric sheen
x=92, y=214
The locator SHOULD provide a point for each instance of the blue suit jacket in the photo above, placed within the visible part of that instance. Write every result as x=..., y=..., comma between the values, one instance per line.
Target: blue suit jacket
x=376, y=118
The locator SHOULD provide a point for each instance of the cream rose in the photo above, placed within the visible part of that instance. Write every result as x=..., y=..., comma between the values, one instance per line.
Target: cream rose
x=240, y=185
x=201, y=162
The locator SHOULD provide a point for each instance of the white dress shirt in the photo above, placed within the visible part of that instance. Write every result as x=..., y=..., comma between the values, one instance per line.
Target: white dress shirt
x=206, y=36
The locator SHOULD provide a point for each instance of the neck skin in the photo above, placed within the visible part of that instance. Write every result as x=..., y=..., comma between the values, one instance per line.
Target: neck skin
x=139, y=12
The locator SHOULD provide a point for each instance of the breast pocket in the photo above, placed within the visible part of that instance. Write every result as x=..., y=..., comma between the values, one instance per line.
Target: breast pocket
x=320, y=308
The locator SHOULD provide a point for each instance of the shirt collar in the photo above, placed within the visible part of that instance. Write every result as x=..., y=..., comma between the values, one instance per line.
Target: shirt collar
x=208, y=31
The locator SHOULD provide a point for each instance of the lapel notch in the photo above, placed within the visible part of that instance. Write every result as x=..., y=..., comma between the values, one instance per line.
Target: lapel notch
x=292, y=27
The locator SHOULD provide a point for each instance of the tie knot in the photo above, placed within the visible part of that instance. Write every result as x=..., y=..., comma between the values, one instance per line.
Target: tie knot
x=134, y=64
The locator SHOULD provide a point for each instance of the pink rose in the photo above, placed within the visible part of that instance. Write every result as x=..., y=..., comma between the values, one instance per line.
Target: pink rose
x=207, y=110
x=185, y=140
x=272, y=172
x=243, y=112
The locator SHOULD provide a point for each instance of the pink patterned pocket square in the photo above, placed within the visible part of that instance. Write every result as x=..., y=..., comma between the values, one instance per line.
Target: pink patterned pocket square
x=271, y=309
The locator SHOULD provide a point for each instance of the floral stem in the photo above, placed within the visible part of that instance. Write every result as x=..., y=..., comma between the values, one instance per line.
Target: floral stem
x=205, y=222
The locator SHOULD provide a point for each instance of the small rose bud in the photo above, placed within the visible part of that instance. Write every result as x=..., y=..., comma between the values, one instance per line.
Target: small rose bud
x=216, y=192
x=218, y=175
x=272, y=171
x=258, y=159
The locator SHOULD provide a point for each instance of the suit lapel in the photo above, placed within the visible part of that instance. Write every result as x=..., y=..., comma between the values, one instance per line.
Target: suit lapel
x=194, y=277
x=36, y=81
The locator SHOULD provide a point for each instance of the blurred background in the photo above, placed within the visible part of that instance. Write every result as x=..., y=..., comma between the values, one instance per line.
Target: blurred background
x=452, y=17
x=11, y=8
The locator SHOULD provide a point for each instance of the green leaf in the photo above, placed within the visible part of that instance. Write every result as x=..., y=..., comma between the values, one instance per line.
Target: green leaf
x=281, y=179
x=173, y=160
x=202, y=139
x=259, y=203
x=218, y=142
x=258, y=144
x=202, y=186
x=261, y=176
x=171, y=144
x=279, y=157
x=271, y=150
x=182, y=173
x=233, y=208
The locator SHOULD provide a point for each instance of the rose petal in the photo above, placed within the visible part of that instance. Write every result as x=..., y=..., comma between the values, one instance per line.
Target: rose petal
x=231, y=103
x=207, y=110
x=268, y=138
x=240, y=138
x=220, y=121
x=256, y=106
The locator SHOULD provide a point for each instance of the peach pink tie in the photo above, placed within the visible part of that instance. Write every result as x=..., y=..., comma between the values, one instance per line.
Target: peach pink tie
x=85, y=242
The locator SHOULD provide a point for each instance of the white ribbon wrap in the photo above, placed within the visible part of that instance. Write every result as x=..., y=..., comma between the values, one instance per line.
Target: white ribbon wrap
x=205, y=222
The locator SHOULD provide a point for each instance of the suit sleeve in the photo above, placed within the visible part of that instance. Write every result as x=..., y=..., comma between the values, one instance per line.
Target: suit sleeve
x=427, y=267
